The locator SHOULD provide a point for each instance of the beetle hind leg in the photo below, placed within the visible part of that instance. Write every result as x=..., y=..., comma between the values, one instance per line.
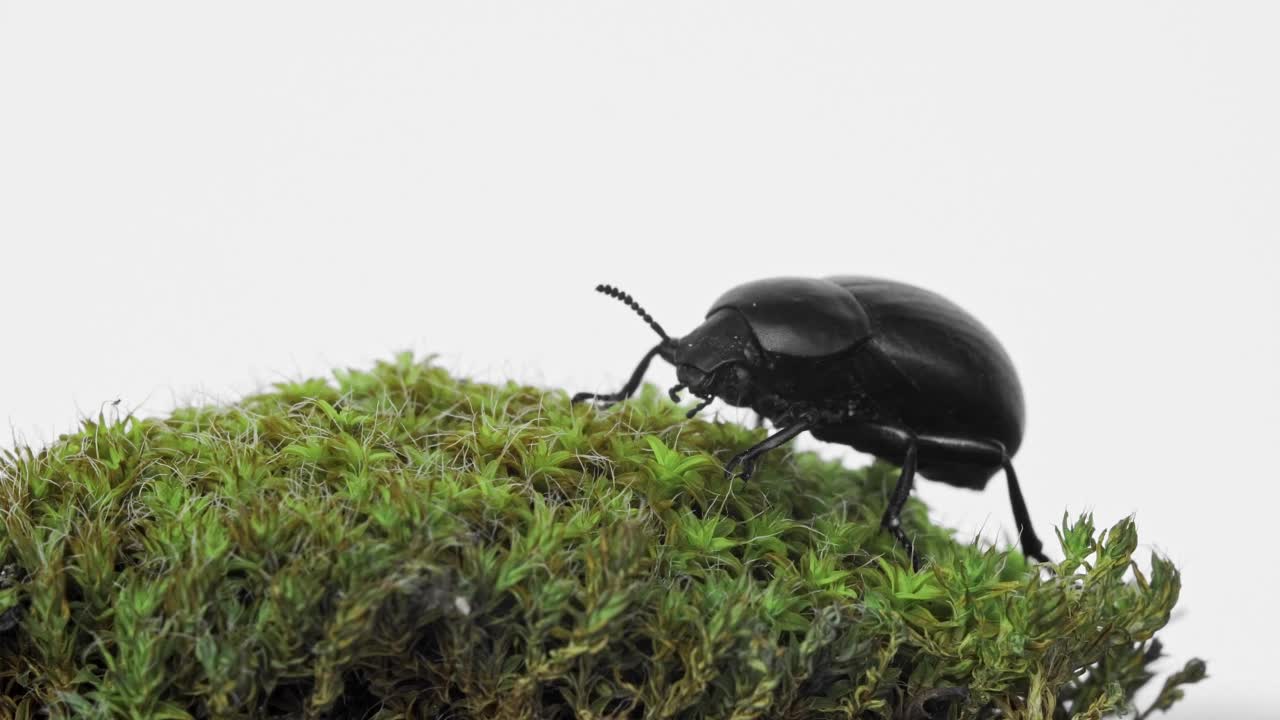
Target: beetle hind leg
x=990, y=454
x=891, y=442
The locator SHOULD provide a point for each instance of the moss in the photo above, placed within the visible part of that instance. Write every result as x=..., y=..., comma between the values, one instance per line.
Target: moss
x=400, y=543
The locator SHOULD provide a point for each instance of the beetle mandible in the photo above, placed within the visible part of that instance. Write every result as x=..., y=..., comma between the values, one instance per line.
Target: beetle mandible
x=890, y=369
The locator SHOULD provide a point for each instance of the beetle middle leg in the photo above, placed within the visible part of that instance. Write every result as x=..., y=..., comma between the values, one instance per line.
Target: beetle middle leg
x=889, y=442
x=892, y=518
x=747, y=458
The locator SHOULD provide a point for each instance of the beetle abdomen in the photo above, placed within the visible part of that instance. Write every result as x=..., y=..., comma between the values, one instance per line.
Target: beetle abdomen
x=940, y=370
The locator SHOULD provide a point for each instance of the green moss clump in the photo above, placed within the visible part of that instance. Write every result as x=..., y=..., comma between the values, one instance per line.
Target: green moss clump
x=406, y=544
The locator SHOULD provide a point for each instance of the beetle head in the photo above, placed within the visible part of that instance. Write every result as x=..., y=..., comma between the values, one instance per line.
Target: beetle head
x=717, y=358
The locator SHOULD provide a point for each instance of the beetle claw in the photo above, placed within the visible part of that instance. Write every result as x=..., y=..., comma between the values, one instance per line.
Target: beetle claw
x=742, y=459
x=894, y=527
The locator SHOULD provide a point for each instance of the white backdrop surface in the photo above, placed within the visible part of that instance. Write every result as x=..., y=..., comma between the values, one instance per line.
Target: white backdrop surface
x=196, y=201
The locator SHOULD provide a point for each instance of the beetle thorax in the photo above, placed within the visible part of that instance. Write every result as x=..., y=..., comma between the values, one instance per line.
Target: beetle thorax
x=720, y=358
x=822, y=388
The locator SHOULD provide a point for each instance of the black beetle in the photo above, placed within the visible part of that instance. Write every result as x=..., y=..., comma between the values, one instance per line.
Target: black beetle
x=890, y=369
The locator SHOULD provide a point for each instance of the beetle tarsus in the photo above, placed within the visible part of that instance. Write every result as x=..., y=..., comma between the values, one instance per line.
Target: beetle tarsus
x=901, y=537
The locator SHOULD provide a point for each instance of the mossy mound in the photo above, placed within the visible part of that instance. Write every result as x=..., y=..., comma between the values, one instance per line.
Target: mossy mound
x=401, y=543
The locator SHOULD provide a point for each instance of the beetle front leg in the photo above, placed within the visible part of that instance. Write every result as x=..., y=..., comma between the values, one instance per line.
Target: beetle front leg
x=747, y=458
x=627, y=390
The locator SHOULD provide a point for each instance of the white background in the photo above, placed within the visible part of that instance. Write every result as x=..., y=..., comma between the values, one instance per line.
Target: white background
x=198, y=201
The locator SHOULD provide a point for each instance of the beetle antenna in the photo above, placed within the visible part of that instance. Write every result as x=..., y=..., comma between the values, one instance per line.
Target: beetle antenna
x=614, y=292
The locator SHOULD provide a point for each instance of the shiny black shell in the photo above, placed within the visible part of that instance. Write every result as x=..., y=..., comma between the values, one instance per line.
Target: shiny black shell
x=908, y=356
